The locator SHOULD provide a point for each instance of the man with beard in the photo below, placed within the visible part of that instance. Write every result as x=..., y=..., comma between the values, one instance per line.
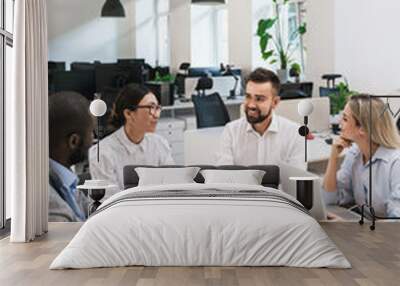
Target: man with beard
x=262, y=137
x=70, y=136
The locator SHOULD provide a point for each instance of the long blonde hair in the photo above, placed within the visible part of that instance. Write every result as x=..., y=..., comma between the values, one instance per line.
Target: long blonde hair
x=384, y=130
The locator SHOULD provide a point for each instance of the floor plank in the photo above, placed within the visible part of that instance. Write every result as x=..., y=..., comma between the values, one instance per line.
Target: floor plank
x=375, y=257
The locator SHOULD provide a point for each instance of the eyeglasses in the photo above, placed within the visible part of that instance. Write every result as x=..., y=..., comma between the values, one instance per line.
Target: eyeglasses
x=154, y=109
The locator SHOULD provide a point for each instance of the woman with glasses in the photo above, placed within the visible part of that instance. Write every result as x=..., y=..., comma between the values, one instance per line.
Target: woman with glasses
x=352, y=179
x=135, y=114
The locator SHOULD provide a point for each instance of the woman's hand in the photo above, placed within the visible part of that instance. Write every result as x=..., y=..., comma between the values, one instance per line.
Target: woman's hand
x=339, y=144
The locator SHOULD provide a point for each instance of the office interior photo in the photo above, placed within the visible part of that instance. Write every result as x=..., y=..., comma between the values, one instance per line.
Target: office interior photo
x=199, y=142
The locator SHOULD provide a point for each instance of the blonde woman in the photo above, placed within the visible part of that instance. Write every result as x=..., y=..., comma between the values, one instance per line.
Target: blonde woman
x=353, y=177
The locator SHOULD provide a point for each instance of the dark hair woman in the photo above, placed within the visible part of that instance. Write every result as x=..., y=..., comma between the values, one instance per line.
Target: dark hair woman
x=135, y=113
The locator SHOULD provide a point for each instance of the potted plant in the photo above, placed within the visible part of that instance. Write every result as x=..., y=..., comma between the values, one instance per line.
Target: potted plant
x=295, y=71
x=163, y=88
x=273, y=47
x=339, y=98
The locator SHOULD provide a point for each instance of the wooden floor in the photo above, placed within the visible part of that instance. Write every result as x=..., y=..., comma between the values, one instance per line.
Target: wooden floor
x=375, y=257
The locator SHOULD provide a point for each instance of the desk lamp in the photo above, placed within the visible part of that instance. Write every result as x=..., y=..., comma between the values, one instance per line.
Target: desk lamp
x=304, y=185
x=227, y=71
x=305, y=108
x=98, y=108
x=96, y=188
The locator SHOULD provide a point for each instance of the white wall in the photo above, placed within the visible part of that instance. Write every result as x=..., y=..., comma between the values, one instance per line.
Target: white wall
x=180, y=32
x=76, y=31
x=240, y=33
x=358, y=39
x=367, y=43
x=319, y=41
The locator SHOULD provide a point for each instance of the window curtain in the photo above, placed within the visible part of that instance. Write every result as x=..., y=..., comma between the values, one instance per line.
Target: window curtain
x=27, y=124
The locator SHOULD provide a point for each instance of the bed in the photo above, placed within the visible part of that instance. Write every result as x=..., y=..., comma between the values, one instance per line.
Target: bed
x=201, y=224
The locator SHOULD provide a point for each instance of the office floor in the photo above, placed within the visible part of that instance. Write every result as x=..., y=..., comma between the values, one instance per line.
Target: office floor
x=375, y=257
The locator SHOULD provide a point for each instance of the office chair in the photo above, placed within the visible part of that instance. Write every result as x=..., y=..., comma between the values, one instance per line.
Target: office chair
x=330, y=85
x=180, y=78
x=210, y=109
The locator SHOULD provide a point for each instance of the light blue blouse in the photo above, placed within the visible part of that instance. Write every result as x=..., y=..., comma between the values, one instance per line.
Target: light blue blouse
x=353, y=176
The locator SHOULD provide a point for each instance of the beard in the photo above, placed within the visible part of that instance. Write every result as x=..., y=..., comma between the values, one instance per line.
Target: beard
x=78, y=155
x=258, y=118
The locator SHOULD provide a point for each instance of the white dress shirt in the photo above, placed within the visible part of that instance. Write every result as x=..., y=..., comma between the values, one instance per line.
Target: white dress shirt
x=242, y=145
x=117, y=151
x=352, y=180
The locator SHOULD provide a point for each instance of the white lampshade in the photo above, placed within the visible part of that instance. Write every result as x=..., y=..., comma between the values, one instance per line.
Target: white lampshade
x=305, y=107
x=98, y=107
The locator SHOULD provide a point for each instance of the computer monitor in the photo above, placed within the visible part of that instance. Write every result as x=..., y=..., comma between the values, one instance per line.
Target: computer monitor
x=55, y=66
x=137, y=70
x=204, y=71
x=131, y=61
x=221, y=84
x=296, y=90
x=82, y=66
x=117, y=75
x=79, y=81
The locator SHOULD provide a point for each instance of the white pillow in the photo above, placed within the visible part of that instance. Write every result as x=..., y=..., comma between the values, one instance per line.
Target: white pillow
x=248, y=177
x=165, y=176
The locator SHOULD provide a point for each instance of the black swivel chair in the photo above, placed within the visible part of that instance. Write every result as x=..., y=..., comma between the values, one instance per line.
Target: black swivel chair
x=330, y=85
x=180, y=78
x=210, y=109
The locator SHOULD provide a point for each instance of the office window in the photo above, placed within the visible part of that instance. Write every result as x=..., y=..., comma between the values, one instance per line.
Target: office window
x=209, y=35
x=6, y=43
x=292, y=15
x=152, y=31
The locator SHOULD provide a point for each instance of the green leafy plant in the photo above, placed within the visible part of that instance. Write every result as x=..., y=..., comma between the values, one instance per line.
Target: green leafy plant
x=164, y=78
x=339, y=98
x=272, y=46
x=295, y=70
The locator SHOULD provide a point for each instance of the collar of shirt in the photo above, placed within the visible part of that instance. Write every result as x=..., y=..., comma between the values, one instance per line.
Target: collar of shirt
x=382, y=153
x=273, y=126
x=69, y=179
x=128, y=144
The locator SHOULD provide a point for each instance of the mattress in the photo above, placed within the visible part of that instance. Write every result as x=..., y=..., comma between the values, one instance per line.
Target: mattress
x=201, y=225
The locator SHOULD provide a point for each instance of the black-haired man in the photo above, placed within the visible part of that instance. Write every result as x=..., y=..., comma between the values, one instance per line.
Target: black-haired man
x=262, y=137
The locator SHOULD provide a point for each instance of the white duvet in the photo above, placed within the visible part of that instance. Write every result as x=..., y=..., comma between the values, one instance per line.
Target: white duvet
x=202, y=231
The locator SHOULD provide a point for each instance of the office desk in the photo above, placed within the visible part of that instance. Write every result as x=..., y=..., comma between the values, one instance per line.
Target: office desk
x=189, y=104
x=187, y=108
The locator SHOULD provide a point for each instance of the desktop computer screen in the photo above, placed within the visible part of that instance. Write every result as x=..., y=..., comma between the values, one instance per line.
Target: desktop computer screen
x=117, y=75
x=78, y=81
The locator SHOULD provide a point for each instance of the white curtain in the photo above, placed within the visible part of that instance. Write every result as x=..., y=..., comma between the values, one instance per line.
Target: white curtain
x=27, y=124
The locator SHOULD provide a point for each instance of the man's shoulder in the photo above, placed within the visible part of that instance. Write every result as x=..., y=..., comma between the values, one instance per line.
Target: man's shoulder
x=286, y=123
x=59, y=210
x=237, y=125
